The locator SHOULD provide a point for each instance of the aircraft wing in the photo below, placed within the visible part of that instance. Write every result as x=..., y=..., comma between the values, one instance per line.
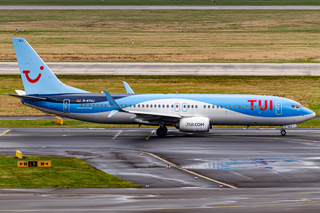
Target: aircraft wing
x=140, y=114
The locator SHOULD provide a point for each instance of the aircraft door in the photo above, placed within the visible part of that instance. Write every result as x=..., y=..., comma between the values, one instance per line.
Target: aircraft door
x=176, y=107
x=184, y=107
x=278, y=108
x=66, y=105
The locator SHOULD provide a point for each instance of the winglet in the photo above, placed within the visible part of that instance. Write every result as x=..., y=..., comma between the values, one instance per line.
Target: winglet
x=112, y=102
x=128, y=88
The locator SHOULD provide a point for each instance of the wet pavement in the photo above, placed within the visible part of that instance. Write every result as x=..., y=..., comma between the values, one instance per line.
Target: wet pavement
x=259, y=159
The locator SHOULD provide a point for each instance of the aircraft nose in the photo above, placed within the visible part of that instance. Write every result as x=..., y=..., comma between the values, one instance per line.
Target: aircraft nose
x=309, y=114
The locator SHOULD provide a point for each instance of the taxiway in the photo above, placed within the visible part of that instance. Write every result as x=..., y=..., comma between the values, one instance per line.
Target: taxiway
x=258, y=168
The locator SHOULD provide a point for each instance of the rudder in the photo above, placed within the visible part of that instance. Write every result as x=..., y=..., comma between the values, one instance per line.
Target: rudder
x=36, y=76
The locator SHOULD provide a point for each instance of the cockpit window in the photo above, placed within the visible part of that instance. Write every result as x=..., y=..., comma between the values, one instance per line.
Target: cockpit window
x=296, y=106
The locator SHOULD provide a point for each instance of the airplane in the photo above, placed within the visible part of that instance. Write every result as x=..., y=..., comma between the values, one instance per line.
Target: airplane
x=187, y=112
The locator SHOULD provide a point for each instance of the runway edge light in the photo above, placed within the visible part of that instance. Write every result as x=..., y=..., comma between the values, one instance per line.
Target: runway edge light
x=18, y=154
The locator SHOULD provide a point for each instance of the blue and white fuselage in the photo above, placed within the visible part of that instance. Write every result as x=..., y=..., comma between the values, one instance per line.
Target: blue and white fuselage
x=187, y=112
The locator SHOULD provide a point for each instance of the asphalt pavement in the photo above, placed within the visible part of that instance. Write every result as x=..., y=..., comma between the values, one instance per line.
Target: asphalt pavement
x=245, y=69
x=258, y=169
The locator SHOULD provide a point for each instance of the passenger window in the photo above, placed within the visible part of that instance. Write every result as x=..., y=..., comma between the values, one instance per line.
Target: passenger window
x=101, y=105
x=204, y=106
x=243, y=107
x=163, y=106
x=208, y=106
x=212, y=106
x=255, y=107
x=108, y=105
x=85, y=105
x=81, y=105
x=239, y=107
x=226, y=107
x=147, y=105
x=155, y=106
x=121, y=105
x=126, y=105
x=171, y=106
x=235, y=107
x=93, y=105
x=150, y=105
x=191, y=106
x=139, y=105
x=130, y=105
x=247, y=107
x=230, y=107
x=196, y=106
x=134, y=106
x=142, y=105
x=167, y=105
x=188, y=106
x=89, y=105
x=184, y=106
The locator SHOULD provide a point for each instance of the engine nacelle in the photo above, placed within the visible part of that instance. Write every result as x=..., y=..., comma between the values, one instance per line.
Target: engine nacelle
x=194, y=124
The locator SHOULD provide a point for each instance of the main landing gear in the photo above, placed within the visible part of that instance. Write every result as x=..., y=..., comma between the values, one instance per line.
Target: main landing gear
x=283, y=132
x=162, y=131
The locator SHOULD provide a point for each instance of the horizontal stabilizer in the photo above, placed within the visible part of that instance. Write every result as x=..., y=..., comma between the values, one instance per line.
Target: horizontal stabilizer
x=20, y=92
x=27, y=97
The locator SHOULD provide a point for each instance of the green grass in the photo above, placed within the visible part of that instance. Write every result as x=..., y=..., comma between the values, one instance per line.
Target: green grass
x=208, y=36
x=304, y=89
x=63, y=173
x=161, y=2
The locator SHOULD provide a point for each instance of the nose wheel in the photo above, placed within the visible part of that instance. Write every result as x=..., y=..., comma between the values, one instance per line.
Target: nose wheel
x=162, y=131
x=283, y=132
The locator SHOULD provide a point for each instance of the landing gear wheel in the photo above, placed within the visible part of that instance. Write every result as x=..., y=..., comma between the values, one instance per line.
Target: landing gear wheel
x=161, y=131
x=166, y=129
x=283, y=132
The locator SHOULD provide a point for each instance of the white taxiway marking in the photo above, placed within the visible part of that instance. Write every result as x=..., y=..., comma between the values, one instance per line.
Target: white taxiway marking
x=117, y=134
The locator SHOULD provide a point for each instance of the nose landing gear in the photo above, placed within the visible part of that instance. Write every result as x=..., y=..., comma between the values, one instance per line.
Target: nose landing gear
x=162, y=131
x=283, y=132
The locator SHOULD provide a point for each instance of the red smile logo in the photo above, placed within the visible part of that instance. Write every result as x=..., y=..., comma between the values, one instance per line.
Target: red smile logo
x=26, y=72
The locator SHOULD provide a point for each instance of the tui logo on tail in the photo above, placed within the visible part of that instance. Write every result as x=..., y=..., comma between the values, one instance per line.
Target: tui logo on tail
x=26, y=72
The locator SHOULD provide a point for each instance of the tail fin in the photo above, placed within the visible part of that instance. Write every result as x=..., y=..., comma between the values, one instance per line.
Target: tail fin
x=36, y=76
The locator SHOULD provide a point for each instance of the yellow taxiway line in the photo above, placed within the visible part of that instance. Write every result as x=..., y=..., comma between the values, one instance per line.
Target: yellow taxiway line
x=4, y=132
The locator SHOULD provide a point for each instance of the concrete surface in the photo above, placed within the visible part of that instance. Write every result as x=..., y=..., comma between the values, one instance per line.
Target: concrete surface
x=259, y=169
x=249, y=69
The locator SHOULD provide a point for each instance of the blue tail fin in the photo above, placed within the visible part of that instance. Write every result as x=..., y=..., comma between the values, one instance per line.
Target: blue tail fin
x=36, y=76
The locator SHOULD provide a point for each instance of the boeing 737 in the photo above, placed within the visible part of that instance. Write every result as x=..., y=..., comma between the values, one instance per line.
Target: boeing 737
x=186, y=112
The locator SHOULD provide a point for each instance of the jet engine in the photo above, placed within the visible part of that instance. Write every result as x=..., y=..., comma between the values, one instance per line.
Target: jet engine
x=194, y=124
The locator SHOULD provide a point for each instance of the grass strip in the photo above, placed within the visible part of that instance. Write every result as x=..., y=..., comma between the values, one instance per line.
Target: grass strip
x=63, y=173
x=304, y=89
x=208, y=36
